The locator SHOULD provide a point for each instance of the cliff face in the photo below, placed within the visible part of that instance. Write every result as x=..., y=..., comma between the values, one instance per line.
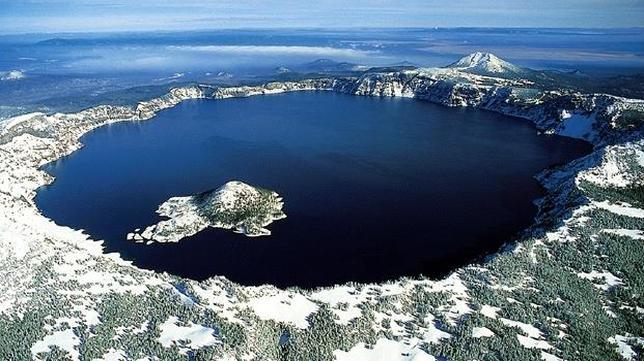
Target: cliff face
x=550, y=110
x=146, y=110
x=598, y=118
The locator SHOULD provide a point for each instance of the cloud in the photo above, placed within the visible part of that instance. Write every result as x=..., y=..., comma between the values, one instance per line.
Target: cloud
x=275, y=50
x=12, y=75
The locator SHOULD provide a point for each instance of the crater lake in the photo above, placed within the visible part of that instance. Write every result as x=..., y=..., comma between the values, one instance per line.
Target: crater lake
x=373, y=188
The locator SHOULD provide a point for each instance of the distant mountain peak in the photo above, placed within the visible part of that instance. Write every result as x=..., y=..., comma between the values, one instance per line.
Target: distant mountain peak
x=323, y=61
x=327, y=65
x=485, y=63
x=55, y=41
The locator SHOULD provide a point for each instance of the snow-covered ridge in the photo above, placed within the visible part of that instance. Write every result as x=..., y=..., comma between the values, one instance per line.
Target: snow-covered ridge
x=562, y=112
x=235, y=205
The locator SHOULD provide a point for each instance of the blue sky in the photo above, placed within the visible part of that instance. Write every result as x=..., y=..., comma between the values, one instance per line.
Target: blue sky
x=115, y=15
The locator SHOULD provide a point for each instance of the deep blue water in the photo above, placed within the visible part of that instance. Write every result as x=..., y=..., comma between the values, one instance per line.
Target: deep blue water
x=373, y=188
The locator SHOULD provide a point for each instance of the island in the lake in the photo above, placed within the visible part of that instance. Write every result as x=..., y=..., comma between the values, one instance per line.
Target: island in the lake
x=235, y=205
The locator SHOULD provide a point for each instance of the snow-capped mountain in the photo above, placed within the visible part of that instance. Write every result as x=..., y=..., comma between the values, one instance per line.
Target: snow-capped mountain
x=486, y=64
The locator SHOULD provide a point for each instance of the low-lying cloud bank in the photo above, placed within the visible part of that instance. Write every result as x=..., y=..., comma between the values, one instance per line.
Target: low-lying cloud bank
x=274, y=50
x=12, y=75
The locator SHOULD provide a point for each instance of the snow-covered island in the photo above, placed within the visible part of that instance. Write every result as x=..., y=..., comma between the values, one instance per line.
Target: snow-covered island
x=569, y=288
x=235, y=205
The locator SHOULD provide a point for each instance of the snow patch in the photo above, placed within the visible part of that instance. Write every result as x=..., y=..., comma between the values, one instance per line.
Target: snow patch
x=283, y=307
x=186, y=338
x=549, y=357
x=609, y=279
x=66, y=340
x=384, y=350
x=631, y=233
x=623, y=209
x=343, y=300
x=527, y=329
x=623, y=345
x=113, y=355
x=529, y=342
x=489, y=311
x=433, y=334
x=478, y=332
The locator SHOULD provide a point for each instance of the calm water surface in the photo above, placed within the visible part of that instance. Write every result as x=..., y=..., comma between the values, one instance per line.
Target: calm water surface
x=374, y=188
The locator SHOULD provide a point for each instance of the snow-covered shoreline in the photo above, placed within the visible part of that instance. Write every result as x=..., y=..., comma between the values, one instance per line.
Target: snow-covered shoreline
x=61, y=277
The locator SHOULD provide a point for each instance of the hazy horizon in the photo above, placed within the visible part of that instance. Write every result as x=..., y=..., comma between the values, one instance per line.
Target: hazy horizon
x=76, y=16
x=321, y=28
